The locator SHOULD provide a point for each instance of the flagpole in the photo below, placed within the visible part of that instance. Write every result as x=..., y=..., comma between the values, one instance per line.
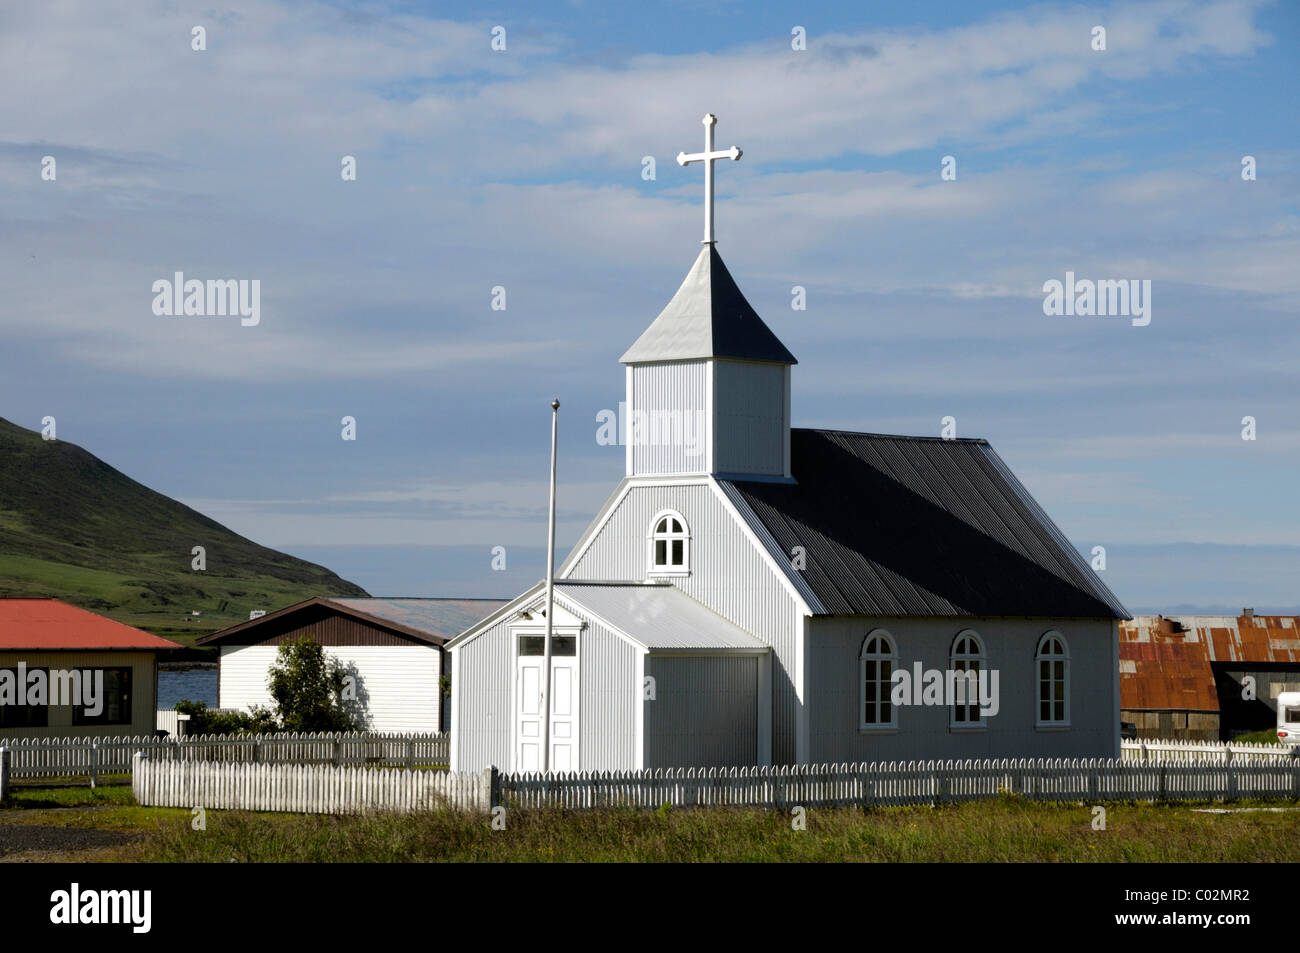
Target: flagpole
x=550, y=598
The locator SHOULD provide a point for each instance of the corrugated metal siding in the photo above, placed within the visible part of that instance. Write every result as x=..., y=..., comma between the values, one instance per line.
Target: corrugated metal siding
x=923, y=730
x=143, y=686
x=727, y=574
x=921, y=526
x=681, y=389
x=483, y=685
x=749, y=405
x=608, y=693
x=397, y=686
x=705, y=712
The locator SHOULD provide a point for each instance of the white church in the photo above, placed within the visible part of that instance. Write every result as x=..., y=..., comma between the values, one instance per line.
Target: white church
x=771, y=595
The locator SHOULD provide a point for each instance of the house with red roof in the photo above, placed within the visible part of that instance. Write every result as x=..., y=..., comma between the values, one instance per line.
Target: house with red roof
x=66, y=672
x=1206, y=678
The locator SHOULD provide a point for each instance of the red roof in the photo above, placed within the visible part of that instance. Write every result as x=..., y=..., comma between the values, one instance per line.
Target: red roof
x=48, y=624
x=1164, y=662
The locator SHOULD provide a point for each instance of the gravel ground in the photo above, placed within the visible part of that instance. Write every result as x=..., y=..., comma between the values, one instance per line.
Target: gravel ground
x=41, y=838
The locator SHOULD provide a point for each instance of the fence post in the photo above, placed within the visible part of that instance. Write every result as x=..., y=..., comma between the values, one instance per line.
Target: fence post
x=338, y=752
x=137, y=781
x=257, y=746
x=410, y=754
x=4, y=773
x=1162, y=781
x=492, y=779
x=94, y=764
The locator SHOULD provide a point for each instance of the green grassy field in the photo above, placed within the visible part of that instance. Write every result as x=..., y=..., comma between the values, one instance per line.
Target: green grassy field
x=73, y=527
x=1001, y=830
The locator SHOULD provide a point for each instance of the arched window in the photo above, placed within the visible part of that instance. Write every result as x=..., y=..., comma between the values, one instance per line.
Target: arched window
x=876, y=664
x=670, y=544
x=1053, y=664
x=967, y=657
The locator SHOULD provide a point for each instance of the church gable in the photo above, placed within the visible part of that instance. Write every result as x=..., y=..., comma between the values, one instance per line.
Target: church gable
x=728, y=572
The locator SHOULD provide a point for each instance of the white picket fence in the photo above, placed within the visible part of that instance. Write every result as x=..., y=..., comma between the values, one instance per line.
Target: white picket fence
x=339, y=790
x=911, y=782
x=4, y=773
x=168, y=720
x=1202, y=750
x=93, y=757
x=314, y=789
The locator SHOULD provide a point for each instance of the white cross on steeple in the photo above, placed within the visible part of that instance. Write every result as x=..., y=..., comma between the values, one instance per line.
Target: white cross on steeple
x=708, y=157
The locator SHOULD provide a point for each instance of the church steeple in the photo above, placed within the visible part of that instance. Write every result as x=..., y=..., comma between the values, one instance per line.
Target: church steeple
x=708, y=317
x=708, y=383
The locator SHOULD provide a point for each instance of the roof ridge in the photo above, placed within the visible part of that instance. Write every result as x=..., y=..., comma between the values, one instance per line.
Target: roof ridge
x=894, y=436
x=417, y=598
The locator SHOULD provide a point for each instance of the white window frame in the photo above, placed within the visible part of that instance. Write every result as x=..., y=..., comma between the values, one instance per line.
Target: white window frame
x=1064, y=659
x=980, y=658
x=684, y=537
x=890, y=655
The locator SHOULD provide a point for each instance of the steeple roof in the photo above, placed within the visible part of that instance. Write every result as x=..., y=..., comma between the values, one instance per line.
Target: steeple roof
x=708, y=317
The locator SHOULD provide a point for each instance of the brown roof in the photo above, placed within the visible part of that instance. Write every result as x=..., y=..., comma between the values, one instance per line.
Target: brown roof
x=1164, y=662
x=433, y=621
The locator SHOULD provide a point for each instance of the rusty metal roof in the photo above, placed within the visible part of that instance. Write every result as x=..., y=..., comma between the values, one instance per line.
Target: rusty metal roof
x=1165, y=662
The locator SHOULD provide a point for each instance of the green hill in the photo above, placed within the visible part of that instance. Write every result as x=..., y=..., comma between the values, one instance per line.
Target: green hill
x=73, y=527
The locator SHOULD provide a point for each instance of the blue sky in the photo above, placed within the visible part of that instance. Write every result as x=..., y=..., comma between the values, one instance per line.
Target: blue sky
x=522, y=169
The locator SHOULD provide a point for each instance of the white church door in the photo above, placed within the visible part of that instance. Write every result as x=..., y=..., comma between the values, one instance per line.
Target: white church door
x=529, y=726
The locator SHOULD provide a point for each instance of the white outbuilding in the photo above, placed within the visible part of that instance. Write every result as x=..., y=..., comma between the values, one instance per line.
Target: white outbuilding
x=392, y=648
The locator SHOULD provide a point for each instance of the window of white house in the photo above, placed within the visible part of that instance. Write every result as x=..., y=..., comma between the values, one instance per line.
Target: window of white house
x=967, y=657
x=670, y=544
x=1053, y=658
x=876, y=669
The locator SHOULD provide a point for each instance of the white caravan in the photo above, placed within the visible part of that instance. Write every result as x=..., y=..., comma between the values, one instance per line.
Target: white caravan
x=1288, y=718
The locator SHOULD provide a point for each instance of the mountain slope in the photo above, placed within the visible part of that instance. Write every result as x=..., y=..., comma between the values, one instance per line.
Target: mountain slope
x=73, y=527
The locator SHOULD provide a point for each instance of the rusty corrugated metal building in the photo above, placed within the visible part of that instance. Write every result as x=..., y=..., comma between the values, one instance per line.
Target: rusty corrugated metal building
x=1187, y=676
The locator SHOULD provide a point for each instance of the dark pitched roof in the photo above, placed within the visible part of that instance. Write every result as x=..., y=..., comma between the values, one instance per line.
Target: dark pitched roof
x=917, y=526
x=708, y=317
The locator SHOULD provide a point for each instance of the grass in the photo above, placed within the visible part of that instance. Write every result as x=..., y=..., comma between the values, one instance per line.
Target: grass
x=36, y=797
x=998, y=830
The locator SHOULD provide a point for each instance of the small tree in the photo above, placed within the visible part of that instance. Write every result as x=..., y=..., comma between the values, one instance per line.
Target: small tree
x=308, y=688
x=205, y=721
